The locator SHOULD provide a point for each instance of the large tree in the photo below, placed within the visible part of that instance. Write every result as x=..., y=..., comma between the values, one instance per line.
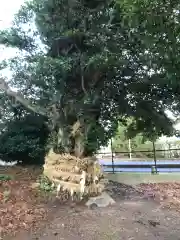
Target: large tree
x=88, y=64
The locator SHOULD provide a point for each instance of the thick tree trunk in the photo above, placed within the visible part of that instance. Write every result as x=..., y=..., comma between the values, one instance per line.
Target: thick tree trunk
x=77, y=176
x=63, y=140
x=79, y=147
x=72, y=139
x=79, y=133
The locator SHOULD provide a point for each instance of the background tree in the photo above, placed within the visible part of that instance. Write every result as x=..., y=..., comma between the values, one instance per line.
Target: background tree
x=139, y=141
x=121, y=140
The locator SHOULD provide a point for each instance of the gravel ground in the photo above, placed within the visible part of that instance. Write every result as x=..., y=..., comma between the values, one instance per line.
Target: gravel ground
x=132, y=217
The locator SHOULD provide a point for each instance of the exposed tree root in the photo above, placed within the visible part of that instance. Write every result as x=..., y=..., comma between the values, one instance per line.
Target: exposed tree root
x=74, y=175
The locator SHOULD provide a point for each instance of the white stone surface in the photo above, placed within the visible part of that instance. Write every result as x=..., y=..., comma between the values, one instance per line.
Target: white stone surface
x=103, y=200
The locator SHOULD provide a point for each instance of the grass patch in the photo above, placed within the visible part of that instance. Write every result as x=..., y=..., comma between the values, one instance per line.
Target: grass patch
x=137, y=178
x=4, y=177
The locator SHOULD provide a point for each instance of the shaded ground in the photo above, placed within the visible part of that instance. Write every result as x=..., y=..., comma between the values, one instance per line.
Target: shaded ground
x=134, y=216
x=21, y=206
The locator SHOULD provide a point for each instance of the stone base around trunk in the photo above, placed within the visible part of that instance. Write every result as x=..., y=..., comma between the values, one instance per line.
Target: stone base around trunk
x=103, y=200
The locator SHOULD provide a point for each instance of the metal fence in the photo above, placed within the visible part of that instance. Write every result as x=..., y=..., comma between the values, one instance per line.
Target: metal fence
x=163, y=160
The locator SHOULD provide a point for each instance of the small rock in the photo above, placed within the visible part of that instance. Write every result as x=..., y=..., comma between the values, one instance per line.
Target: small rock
x=141, y=222
x=73, y=204
x=103, y=200
x=93, y=206
x=153, y=223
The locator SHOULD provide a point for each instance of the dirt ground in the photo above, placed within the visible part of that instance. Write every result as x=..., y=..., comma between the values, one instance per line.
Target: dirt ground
x=151, y=211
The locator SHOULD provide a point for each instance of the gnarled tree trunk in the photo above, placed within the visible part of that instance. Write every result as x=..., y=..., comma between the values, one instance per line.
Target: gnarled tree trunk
x=72, y=171
x=73, y=174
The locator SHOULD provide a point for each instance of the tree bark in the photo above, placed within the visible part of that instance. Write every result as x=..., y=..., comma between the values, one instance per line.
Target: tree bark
x=79, y=146
x=79, y=133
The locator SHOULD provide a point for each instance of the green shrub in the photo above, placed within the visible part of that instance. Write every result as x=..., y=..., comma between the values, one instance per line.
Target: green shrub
x=24, y=141
x=4, y=177
x=45, y=184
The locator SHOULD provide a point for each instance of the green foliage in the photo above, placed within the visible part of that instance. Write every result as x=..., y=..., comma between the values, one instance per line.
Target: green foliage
x=24, y=140
x=98, y=137
x=103, y=61
x=45, y=184
x=141, y=143
x=4, y=177
x=139, y=140
x=15, y=37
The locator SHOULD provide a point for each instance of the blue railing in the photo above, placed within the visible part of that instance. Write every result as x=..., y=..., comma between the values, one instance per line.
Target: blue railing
x=133, y=166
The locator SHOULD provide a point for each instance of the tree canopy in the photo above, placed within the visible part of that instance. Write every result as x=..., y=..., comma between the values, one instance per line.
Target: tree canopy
x=85, y=65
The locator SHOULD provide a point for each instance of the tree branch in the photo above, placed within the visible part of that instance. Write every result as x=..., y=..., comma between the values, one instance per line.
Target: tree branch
x=82, y=75
x=19, y=98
